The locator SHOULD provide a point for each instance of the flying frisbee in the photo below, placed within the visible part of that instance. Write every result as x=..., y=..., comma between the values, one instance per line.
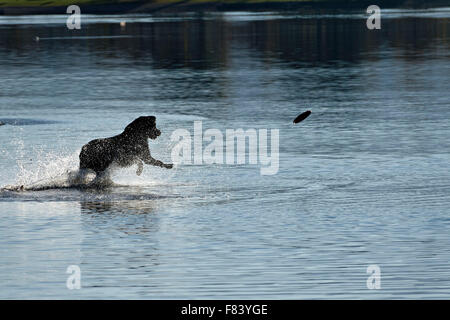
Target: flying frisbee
x=302, y=116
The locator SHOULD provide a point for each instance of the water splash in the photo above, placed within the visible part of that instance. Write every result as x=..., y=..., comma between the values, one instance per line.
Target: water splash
x=48, y=170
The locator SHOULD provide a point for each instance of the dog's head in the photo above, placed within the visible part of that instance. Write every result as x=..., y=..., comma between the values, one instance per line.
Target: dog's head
x=145, y=126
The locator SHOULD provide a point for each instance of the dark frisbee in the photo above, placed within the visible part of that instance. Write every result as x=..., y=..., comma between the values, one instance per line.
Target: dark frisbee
x=302, y=116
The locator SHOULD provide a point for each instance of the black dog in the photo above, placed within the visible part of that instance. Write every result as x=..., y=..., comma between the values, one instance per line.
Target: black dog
x=124, y=150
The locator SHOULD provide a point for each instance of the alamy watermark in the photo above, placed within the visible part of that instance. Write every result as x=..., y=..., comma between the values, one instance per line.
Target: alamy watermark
x=74, y=20
x=229, y=148
x=374, y=20
x=374, y=280
x=74, y=280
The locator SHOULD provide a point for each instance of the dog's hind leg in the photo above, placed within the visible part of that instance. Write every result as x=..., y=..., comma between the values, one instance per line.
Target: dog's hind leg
x=80, y=177
x=102, y=179
x=140, y=167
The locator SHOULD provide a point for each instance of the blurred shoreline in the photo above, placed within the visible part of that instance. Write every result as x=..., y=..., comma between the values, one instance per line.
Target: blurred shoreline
x=171, y=6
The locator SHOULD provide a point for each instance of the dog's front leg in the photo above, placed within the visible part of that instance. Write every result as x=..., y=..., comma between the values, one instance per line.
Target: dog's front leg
x=148, y=159
x=158, y=163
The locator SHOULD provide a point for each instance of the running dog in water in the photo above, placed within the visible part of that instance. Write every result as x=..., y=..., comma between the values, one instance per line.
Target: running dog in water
x=124, y=150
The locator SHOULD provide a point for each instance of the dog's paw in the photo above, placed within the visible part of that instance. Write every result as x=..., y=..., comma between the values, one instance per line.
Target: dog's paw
x=168, y=165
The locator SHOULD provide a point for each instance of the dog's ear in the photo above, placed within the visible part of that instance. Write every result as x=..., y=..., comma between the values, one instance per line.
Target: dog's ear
x=141, y=124
x=151, y=121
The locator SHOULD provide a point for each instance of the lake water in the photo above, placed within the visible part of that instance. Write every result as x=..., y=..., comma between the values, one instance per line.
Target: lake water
x=365, y=180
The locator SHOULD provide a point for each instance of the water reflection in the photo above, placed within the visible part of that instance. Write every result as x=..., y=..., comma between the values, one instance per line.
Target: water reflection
x=116, y=207
x=207, y=44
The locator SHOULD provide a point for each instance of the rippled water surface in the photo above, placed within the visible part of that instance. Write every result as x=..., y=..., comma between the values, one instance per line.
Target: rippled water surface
x=364, y=180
